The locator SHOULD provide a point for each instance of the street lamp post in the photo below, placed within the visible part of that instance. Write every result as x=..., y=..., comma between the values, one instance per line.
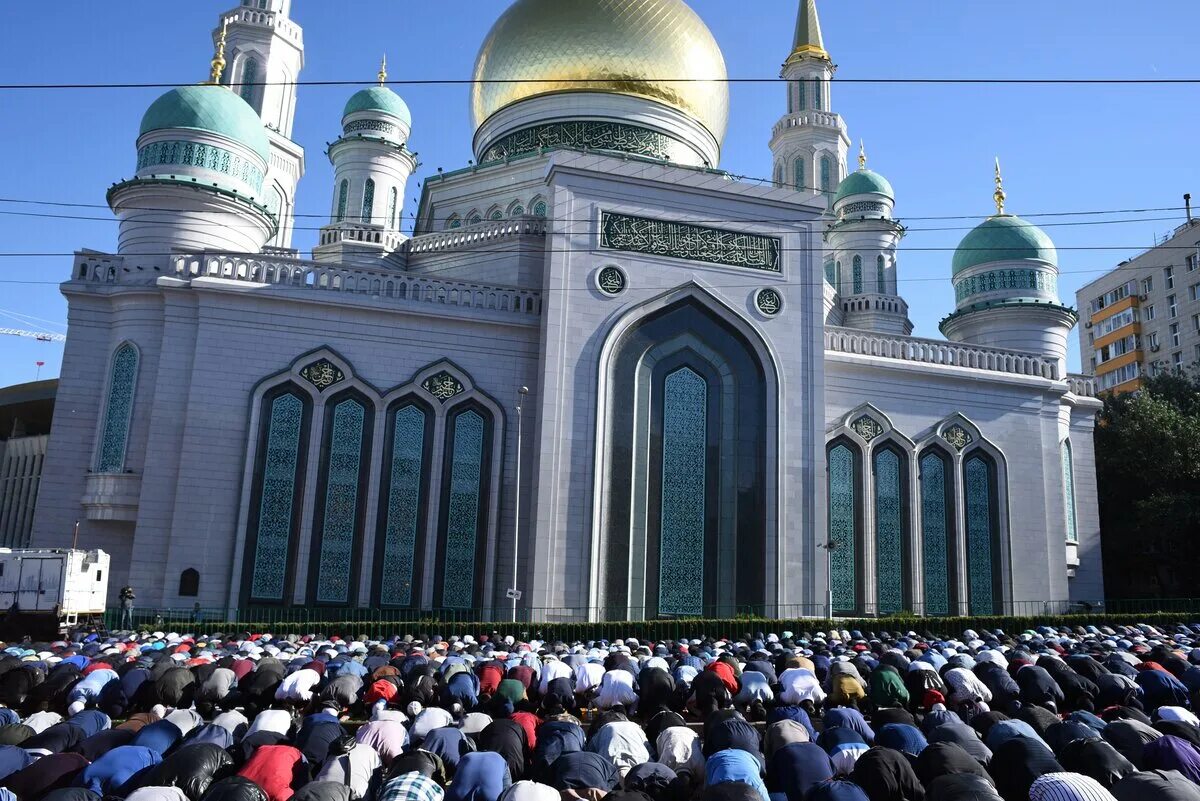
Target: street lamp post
x=829, y=548
x=513, y=592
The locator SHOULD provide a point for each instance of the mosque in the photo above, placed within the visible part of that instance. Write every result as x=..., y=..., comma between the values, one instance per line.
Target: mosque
x=601, y=379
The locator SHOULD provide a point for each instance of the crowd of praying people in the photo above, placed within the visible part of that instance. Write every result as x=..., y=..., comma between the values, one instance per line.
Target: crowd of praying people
x=1052, y=714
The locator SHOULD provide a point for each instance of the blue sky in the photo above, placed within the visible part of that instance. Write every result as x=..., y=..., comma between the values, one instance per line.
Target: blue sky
x=1064, y=148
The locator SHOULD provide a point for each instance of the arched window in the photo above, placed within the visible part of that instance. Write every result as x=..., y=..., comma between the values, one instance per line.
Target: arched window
x=1068, y=469
x=802, y=100
x=798, y=174
x=118, y=410
x=891, y=530
x=683, y=524
x=937, y=530
x=791, y=100
x=826, y=175
x=817, y=99
x=368, y=205
x=399, y=544
x=341, y=501
x=454, y=222
x=463, y=525
x=517, y=210
x=343, y=197
x=249, y=90
x=844, y=521
x=880, y=276
x=496, y=215
x=393, y=196
x=189, y=583
x=837, y=275
x=778, y=175
x=858, y=276
x=539, y=209
x=829, y=273
x=981, y=505
x=277, y=494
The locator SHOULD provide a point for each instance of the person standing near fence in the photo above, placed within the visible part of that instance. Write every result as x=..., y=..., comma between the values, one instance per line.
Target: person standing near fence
x=126, y=597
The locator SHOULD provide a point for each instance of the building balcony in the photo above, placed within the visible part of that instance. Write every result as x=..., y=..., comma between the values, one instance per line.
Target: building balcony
x=112, y=496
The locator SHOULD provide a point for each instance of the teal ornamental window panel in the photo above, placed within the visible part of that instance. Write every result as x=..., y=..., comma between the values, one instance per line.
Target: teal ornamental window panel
x=980, y=507
x=843, y=526
x=858, y=275
x=684, y=470
x=391, y=215
x=817, y=95
x=402, y=516
x=826, y=175
x=343, y=198
x=341, y=511
x=118, y=410
x=798, y=174
x=464, y=506
x=539, y=209
x=889, y=532
x=279, y=465
x=1068, y=469
x=802, y=103
x=936, y=527
x=368, y=205
x=880, y=276
x=829, y=273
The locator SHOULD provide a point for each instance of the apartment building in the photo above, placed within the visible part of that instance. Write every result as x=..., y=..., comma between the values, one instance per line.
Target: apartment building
x=1143, y=317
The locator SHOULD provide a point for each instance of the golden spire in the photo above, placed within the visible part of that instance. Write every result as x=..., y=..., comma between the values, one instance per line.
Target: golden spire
x=218, y=61
x=383, y=70
x=862, y=155
x=999, y=195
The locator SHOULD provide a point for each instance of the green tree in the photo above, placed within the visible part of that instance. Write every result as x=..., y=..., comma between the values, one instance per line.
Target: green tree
x=1148, y=476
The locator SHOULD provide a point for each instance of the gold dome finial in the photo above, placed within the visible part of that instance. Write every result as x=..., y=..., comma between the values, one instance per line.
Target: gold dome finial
x=218, y=60
x=999, y=195
x=862, y=155
x=383, y=70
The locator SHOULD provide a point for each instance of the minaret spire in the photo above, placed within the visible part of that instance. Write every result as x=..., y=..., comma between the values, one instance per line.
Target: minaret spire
x=999, y=195
x=383, y=70
x=862, y=155
x=808, y=40
x=218, y=60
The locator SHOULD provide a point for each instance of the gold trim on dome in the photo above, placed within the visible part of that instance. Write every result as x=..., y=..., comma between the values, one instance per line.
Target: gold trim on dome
x=809, y=50
x=655, y=49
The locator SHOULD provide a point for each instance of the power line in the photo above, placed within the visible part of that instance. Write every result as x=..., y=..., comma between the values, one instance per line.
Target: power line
x=935, y=81
x=1092, y=212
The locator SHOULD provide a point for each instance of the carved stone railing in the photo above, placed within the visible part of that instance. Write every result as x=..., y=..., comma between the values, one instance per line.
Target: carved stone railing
x=321, y=277
x=813, y=117
x=278, y=22
x=936, y=351
x=1082, y=385
x=101, y=268
x=365, y=233
x=488, y=232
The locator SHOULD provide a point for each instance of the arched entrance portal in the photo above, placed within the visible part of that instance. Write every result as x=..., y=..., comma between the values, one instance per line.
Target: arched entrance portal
x=684, y=521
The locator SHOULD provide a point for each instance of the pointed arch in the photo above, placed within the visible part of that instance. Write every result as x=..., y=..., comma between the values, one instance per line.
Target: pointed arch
x=858, y=275
x=844, y=464
x=393, y=203
x=341, y=499
x=402, y=520
x=893, y=554
x=342, y=199
x=981, y=514
x=461, y=567
x=1068, y=471
x=686, y=327
x=939, y=557
x=118, y=409
x=798, y=176
x=368, y=201
x=453, y=221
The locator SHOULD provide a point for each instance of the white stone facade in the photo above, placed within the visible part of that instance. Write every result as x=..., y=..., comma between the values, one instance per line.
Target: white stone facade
x=202, y=396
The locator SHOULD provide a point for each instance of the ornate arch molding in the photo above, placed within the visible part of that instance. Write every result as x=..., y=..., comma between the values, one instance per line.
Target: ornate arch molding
x=960, y=439
x=872, y=432
x=767, y=362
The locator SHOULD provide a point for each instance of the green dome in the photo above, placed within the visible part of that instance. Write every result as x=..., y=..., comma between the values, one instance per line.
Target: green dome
x=378, y=98
x=207, y=107
x=1004, y=238
x=864, y=182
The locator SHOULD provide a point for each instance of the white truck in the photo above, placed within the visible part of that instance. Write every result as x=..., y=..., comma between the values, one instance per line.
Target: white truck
x=44, y=588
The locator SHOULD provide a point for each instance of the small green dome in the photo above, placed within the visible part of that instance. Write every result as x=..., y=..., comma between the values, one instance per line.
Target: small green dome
x=378, y=98
x=864, y=182
x=1004, y=238
x=207, y=107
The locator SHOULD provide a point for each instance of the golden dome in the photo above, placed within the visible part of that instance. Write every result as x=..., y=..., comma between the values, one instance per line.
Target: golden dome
x=628, y=47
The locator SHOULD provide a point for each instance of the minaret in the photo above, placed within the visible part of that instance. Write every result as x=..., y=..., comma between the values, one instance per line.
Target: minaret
x=1005, y=276
x=265, y=50
x=862, y=241
x=809, y=143
x=371, y=166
